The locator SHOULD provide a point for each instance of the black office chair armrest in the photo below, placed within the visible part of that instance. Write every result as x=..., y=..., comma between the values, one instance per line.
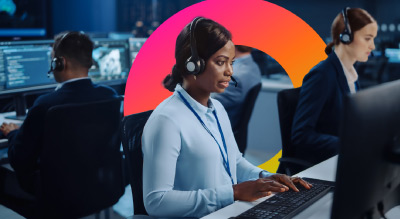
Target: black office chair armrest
x=4, y=161
x=291, y=166
x=297, y=161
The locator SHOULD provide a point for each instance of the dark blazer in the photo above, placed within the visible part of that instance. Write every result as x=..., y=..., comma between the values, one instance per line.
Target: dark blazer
x=316, y=121
x=25, y=144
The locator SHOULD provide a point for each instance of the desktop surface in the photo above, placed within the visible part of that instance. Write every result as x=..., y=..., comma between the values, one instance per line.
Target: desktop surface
x=320, y=209
x=288, y=204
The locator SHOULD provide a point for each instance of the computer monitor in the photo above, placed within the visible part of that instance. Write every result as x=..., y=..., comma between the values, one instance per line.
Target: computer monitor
x=368, y=171
x=134, y=46
x=23, y=70
x=393, y=55
x=21, y=19
x=111, y=61
x=24, y=66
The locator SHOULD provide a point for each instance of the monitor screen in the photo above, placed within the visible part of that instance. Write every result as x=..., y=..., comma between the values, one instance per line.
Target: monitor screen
x=110, y=60
x=24, y=65
x=393, y=55
x=23, y=19
x=134, y=46
x=368, y=171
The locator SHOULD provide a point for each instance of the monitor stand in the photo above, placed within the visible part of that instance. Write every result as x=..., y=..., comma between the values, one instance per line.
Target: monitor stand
x=20, y=108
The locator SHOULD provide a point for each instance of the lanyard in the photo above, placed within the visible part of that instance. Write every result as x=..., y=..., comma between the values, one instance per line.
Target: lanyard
x=226, y=161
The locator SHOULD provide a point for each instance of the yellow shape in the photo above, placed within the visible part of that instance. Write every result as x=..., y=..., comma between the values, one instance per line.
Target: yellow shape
x=272, y=164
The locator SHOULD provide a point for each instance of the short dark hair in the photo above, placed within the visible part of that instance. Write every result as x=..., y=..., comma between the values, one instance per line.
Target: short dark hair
x=357, y=19
x=210, y=37
x=76, y=46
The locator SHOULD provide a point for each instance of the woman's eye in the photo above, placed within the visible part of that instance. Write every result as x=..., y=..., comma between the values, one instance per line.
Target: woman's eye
x=220, y=63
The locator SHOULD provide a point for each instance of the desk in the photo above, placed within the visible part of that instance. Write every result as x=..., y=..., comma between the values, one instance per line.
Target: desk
x=321, y=209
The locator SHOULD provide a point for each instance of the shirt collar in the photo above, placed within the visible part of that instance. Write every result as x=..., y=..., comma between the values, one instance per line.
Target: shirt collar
x=198, y=107
x=60, y=85
x=350, y=76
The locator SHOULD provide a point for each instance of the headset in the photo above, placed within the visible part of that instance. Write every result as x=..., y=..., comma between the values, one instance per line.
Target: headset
x=346, y=36
x=194, y=64
x=57, y=63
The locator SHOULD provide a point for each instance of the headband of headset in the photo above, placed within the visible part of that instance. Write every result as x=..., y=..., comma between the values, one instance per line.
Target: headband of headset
x=57, y=63
x=346, y=36
x=194, y=64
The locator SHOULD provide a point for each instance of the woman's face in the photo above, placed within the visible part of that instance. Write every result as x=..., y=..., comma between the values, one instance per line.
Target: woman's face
x=363, y=42
x=218, y=70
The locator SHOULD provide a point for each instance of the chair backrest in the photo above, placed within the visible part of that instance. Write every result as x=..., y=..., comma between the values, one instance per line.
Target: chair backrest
x=241, y=131
x=132, y=129
x=290, y=163
x=80, y=163
x=287, y=103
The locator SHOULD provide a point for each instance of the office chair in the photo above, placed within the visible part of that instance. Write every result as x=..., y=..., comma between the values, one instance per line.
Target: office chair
x=132, y=129
x=80, y=163
x=287, y=103
x=240, y=131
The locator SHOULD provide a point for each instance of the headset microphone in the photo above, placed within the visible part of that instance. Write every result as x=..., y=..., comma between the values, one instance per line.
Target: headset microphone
x=195, y=64
x=234, y=81
x=53, y=66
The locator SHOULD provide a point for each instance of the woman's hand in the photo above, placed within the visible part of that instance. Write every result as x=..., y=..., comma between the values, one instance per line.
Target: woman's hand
x=253, y=190
x=289, y=181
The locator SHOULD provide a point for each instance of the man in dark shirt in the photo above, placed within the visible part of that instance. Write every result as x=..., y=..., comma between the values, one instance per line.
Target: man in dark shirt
x=72, y=54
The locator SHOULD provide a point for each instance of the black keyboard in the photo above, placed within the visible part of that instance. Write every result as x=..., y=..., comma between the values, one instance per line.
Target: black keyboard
x=288, y=204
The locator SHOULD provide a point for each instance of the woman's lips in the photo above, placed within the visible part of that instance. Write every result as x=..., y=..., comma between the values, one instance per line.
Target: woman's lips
x=224, y=84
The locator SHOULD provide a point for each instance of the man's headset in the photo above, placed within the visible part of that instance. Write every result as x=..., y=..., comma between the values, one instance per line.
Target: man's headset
x=194, y=64
x=57, y=63
x=346, y=37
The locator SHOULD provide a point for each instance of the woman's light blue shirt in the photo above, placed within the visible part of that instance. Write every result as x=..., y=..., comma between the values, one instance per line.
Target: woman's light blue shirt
x=183, y=170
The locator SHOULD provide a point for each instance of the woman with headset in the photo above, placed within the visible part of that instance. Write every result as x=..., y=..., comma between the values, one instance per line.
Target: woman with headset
x=191, y=162
x=316, y=121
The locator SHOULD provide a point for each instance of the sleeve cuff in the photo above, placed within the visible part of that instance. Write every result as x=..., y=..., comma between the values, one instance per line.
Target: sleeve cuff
x=255, y=174
x=264, y=174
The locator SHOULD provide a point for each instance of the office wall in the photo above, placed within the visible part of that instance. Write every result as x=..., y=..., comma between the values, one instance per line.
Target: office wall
x=86, y=15
x=111, y=15
x=320, y=14
x=121, y=15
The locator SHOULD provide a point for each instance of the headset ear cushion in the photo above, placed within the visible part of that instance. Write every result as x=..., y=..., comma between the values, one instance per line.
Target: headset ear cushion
x=59, y=64
x=346, y=37
x=202, y=66
x=191, y=66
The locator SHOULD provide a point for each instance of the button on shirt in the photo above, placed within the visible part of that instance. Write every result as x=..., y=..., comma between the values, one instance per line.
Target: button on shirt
x=183, y=170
